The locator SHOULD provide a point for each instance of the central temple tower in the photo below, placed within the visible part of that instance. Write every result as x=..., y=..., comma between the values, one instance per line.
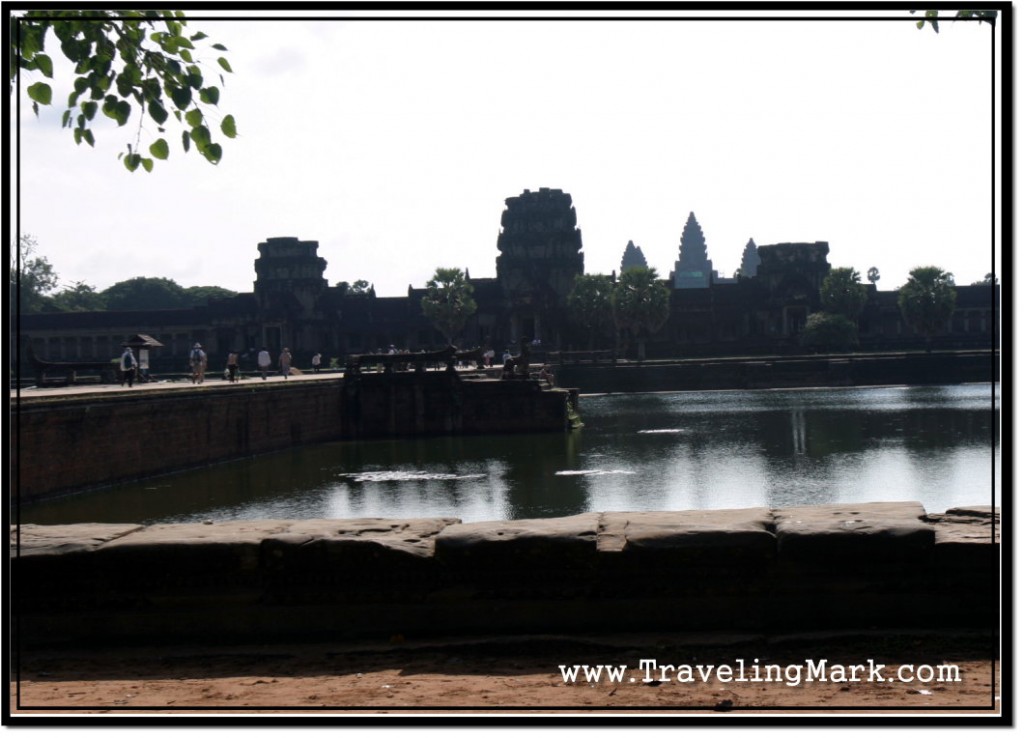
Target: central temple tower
x=541, y=254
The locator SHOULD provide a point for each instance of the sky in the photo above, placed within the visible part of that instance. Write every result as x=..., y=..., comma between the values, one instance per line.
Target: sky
x=395, y=143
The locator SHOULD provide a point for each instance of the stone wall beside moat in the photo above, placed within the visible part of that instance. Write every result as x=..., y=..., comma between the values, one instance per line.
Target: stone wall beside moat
x=857, y=566
x=65, y=443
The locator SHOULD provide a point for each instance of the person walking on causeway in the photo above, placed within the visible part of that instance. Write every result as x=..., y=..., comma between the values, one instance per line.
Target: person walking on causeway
x=128, y=364
x=197, y=361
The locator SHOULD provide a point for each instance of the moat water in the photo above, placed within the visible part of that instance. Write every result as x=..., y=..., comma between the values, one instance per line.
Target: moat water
x=666, y=451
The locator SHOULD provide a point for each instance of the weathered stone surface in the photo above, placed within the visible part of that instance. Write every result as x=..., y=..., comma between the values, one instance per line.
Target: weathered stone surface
x=967, y=538
x=854, y=534
x=713, y=532
x=838, y=566
x=540, y=546
x=35, y=540
x=370, y=551
x=188, y=555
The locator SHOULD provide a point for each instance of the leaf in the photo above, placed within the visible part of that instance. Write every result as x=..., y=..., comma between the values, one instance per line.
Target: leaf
x=182, y=96
x=186, y=141
x=210, y=95
x=132, y=162
x=213, y=153
x=220, y=47
x=194, y=117
x=224, y=64
x=198, y=36
x=123, y=111
x=159, y=149
x=87, y=135
x=147, y=164
x=65, y=119
x=89, y=108
x=227, y=126
x=201, y=135
x=41, y=93
x=44, y=64
x=157, y=112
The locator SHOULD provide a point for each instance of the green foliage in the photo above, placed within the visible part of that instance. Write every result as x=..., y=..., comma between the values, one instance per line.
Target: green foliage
x=449, y=301
x=640, y=304
x=196, y=296
x=79, y=297
x=829, y=332
x=31, y=277
x=145, y=293
x=842, y=293
x=928, y=299
x=359, y=287
x=124, y=60
x=590, y=305
x=931, y=17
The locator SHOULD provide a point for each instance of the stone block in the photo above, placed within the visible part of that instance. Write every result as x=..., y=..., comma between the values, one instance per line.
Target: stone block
x=854, y=535
x=42, y=540
x=705, y=535
x=967, y=540
x=537, y=549
x=187, y=556
x=368, y=553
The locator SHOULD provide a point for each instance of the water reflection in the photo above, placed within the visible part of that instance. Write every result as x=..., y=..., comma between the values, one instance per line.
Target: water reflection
x=938, y=445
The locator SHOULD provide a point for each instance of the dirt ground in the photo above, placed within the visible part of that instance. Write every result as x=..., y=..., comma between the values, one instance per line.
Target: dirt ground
x=522, y=676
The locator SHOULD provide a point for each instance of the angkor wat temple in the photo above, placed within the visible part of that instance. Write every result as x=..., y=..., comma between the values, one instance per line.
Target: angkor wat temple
x=760, y=310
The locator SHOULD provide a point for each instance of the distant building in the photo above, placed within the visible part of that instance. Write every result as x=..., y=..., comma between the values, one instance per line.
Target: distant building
x=540, y=253
x=693, y=269
x=751, y=261
x=632, y=257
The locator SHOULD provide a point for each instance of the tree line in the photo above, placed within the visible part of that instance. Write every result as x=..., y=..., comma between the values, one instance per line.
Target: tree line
x=36, y=288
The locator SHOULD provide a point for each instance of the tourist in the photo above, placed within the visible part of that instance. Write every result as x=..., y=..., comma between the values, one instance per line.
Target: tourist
x=197, y=361
x=285, y=360
x=263, y=361
x=128, y=365
x=232, y=366
x=316, y=363
x=508, y=371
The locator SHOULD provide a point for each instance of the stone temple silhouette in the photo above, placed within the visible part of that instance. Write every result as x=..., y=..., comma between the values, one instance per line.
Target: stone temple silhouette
x=540, y=253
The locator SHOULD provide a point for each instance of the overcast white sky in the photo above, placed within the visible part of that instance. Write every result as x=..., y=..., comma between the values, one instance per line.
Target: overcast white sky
x=395, y=144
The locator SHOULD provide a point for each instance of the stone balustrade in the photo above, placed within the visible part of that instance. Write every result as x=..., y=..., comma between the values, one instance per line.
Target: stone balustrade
x=865, y=565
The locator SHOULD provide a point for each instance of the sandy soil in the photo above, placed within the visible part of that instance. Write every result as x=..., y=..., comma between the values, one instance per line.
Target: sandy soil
x=519, y=675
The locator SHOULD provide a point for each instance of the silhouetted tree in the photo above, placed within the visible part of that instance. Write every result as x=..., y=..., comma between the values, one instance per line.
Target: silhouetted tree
x=590, y=305
x=842, y=293
x=449, y=301
x=927, y=300
x=640, y=304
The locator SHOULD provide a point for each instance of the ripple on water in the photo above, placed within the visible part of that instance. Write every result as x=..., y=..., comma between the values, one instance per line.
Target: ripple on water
x=407, y=476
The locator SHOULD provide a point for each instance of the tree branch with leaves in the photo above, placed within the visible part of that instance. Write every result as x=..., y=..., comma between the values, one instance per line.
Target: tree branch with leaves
x=124, y=60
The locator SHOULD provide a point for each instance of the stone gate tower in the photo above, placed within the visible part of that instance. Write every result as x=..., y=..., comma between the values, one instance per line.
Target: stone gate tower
x=289, y=282
x=541, y=254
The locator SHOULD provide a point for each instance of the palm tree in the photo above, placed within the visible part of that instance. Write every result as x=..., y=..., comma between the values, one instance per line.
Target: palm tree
x=449, y=301
x=927, y=300
x=590, y=305
x=640, y=304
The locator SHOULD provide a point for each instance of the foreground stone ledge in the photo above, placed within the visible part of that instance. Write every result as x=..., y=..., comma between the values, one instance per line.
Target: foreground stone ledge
x=833, y=566
x=890, y=533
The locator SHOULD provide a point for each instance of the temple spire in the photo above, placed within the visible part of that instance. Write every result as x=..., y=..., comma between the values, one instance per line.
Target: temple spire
x=693, y=268
x=748, y=267
x=633, y=256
